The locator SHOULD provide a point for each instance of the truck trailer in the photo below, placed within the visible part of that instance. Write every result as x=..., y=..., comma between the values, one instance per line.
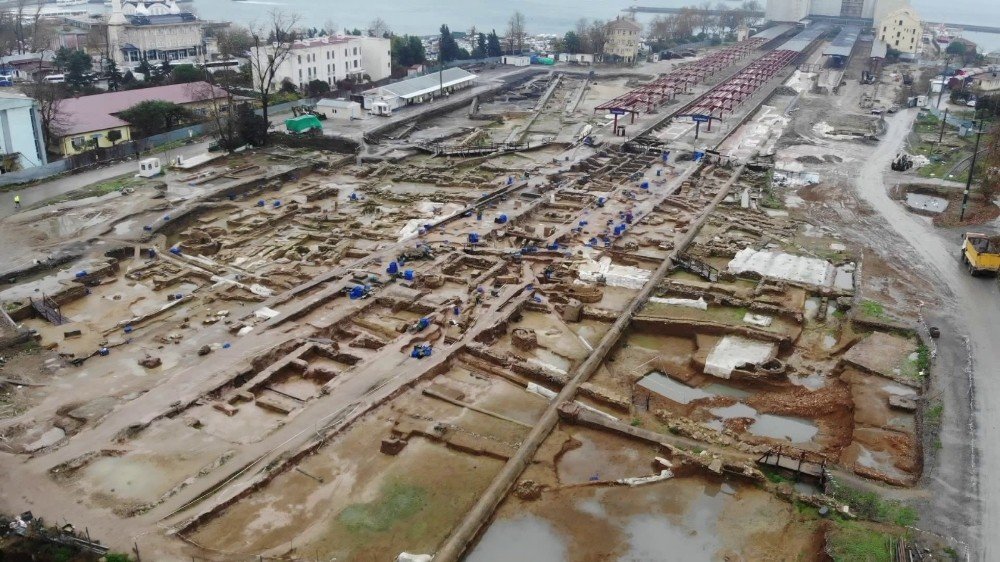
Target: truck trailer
x=981, y=253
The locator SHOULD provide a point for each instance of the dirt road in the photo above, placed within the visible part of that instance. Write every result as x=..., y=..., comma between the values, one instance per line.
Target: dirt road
x=963, y=383
x=54, y=188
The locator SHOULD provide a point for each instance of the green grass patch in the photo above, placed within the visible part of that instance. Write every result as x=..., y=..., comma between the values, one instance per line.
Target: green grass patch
x=94, y=190
x=872, y=308
x=774, y=476
x=871, y=506
x=935, y=412
x=396, y=502
x=854, y=542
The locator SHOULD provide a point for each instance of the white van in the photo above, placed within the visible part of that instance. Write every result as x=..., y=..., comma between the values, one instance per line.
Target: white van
x=55, y=78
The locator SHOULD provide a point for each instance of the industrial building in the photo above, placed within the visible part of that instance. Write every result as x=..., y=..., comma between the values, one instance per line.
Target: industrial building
x=795, y=10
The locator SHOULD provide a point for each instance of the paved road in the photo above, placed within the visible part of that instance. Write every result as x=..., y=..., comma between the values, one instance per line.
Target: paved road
x=67, y=183
x=977, y=308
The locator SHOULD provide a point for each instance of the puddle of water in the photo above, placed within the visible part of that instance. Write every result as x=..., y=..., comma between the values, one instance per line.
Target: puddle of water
x=797, y=430
x=720, y=389
x=525, y=538
x=594, y=460
x=738, y=410
x=811, y=308
x=806, y=488
x=669, y=388
x=593, y=507
x=814, y=381
x=927, y=203
x=691, y=537
x=829, y=341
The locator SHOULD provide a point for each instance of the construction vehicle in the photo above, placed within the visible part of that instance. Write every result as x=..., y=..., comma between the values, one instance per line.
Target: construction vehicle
x=981, y=253
x=300, y=110
x=902, y=163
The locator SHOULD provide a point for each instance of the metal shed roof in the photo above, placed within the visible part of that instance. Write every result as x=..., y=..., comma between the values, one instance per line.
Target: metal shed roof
x=805, y=38
x=843, y=43
x=426, y=84
x=773, y=32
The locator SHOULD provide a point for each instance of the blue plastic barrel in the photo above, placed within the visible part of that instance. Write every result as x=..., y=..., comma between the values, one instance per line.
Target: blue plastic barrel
x=393, y=268
x=408, y=275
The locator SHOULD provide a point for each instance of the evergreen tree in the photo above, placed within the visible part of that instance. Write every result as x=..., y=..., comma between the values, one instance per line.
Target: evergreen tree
x=448, y=49
x=493, y=48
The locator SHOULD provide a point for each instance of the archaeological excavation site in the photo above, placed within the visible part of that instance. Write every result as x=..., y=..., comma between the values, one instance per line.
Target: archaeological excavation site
x=552, y=318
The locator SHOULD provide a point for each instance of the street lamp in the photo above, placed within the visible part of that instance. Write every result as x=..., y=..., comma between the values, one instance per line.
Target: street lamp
x=972, y=170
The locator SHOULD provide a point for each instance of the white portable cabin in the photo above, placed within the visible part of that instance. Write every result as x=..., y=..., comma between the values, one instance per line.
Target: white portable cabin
x=149, y=167
x=340, y=109
x=515, y=60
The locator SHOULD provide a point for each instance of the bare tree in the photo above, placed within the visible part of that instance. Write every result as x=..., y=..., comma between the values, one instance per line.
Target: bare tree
x=330, y=27
x=597, y=35
x=267, y=55
x=378, y=28
x=49, y=98
x=515, y=33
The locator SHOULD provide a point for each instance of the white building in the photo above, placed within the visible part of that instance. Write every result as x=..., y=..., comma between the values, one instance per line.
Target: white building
x=156, y=31
x=21, y=140
x=418, y=90
x=901, y=29
x=786, y=10
x=515, y=60
x=331, y=59
x=340, y=109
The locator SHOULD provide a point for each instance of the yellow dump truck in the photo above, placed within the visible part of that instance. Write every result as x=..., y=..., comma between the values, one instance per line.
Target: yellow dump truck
x=981, y=253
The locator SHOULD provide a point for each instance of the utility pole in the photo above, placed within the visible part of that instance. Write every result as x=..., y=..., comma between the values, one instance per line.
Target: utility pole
x=943, y=121
x=968, y=179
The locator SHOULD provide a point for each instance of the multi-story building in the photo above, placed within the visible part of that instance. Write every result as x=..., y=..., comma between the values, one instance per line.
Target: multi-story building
x=796, y=10
x=21, y=142
x=901, y=30
x=330, y=59
x=622, y=43
x=156, y=31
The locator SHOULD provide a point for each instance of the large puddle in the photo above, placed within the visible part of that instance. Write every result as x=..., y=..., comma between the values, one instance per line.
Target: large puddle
x=525, y=538
x=665, y=386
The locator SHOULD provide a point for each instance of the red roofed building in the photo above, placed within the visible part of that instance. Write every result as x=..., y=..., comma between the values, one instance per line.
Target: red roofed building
x=79, y=122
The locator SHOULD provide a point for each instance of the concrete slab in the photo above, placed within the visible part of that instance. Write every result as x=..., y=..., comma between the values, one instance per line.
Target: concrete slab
x=732, y=351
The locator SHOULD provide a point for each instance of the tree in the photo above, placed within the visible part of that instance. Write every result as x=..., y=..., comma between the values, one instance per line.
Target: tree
x=114, y=135
x=571, y=43
x=252, y=128
x=479, y=51
x=378, y=28
x=448, y=49
x=515, y=33
x=78, y=67
x=597, y=35
x=114, y=75
x=407, y=50
x=152, y=117
x=493, y=48
x=185, y=73
x=233, y=41
x=61, y=58
x=146, y=70
x=267, y=57
x=954, y=48
x=316, y=88
x=49, y=97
